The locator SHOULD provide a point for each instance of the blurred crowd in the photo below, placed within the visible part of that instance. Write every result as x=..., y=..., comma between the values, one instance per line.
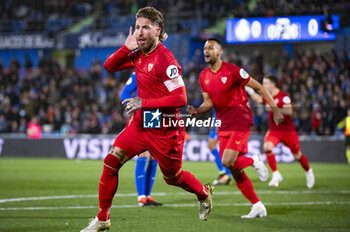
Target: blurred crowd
x=222, y=8
x=85, y=101
x=65, y=100
x=18, y=16
x=73, y=101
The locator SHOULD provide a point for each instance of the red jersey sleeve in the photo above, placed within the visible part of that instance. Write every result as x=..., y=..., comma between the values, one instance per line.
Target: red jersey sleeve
x=285, y=100
x=120, y=60
x=241, y=76
x=169, y=71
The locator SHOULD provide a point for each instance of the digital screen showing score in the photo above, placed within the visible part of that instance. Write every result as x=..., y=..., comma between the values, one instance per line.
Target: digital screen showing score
x=281, y=29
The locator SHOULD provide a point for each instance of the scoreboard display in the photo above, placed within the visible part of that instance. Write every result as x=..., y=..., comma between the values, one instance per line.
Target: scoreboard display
x=281, y=29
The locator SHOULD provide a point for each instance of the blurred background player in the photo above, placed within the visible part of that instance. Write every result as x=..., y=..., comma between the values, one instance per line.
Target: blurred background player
x=222, y=86
x=284, y=132
x=224, y=173
x=160, y=86
x=144, y=179
x=345, y=124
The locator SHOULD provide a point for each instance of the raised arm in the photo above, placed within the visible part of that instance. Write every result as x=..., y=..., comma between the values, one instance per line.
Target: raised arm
x=120, y=60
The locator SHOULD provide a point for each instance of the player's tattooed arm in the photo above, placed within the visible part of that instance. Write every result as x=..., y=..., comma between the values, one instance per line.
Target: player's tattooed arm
x=133, y=104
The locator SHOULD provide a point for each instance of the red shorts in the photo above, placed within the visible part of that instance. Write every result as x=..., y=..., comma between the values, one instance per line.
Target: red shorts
x=235, y=140
x=165, y=146
x=290, y=139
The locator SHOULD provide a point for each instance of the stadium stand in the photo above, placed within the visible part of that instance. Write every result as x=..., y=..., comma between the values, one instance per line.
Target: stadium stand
x=73, y=101
x=85, y=101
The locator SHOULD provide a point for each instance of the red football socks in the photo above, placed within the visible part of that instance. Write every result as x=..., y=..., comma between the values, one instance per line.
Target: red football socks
x=245, y=185
x=108, y=186
x=189, y=183
x=271, y=160
x=304, y=163
x=243, y=162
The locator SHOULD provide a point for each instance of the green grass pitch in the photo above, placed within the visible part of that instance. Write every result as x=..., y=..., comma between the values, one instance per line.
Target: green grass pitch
x=61, y=195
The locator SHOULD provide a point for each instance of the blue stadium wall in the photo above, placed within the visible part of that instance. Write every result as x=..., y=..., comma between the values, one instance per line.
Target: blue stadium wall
x=87, y=46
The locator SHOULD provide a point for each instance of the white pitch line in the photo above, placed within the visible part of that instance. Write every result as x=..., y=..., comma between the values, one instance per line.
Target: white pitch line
x=173, y=194
x=175, y=205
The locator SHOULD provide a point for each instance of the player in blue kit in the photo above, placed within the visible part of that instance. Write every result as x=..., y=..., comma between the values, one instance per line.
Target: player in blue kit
x=224, y=173
x=144, y=177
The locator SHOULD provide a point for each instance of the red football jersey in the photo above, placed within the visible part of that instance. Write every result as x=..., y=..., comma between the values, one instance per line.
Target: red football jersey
x=157, y=75
x=226, y=90
x=155, y=72
x=281, y=99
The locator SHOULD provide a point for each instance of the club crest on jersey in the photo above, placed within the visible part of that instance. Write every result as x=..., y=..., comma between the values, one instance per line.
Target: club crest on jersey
x=172, y=71
x=150, y=66
x=224, y=79
x=206, y=82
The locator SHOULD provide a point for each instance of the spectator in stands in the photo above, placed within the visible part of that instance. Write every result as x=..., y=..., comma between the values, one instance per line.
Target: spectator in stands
x=34, y=128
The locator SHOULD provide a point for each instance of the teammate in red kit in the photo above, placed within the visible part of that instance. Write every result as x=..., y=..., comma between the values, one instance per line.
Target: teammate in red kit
x=284, y=132
x=160, y=86
x=223, y=88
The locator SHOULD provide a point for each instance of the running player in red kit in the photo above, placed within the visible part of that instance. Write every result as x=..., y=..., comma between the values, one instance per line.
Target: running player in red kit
x=284, y=132
x=223, y=88
x=160, y=86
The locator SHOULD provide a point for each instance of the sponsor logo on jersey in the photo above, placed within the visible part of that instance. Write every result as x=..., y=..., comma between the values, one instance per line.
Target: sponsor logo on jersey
x=150, y=66
x=172, y=71
x=243, y=73
x=206, y=82
x=224, y=79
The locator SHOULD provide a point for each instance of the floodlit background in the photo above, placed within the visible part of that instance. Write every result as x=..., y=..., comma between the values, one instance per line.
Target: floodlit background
x=51, y=74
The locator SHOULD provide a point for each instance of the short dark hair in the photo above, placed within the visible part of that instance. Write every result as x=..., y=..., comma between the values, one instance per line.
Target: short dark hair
x=272, y=78
x=218, y=41
x=156, y=17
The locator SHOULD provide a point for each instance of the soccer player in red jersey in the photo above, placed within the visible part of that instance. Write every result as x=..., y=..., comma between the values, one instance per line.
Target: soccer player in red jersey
x=284, y=132
x=160, y=86
x=223, y=88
